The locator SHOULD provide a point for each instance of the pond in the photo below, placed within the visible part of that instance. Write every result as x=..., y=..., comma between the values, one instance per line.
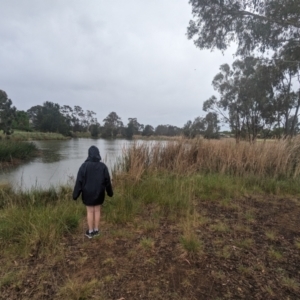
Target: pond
x=59, y=162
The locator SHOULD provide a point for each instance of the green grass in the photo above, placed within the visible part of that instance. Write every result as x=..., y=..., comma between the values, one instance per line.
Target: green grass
x=147, y=243
x=271, y=235
x=81, y=134
x=39, y=217
x=33, y=222
x=297, y=244
x=78, y=290
x=220, y=227
x=290, y=283
x=8, y=279
x=10, y=150
x=245, y=243
x=38, y=224
x=19, y=135
x=173, y=195
x=191, y=243
x=275, y=254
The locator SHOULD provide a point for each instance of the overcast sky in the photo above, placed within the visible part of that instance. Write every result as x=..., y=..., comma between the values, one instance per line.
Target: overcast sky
x=131, y=57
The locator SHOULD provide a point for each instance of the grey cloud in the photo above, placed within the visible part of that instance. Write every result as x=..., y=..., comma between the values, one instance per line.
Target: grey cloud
x=131, y=57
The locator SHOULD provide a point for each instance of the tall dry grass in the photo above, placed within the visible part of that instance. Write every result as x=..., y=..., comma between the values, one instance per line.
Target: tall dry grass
x=275, y=159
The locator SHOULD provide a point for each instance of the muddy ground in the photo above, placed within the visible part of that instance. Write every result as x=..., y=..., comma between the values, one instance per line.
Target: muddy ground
x=247, y=249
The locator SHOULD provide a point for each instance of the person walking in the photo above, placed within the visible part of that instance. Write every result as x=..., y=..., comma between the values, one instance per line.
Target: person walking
x=92, y=182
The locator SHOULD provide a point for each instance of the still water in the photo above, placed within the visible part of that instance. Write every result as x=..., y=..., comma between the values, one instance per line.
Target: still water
x=59, y=162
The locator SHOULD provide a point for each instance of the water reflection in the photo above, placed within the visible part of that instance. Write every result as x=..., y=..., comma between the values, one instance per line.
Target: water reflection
x=51, y=156
x=60, y=162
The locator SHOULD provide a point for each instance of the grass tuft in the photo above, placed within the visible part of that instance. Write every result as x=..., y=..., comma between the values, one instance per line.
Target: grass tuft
x=297, y=243
x=220, y=227
x=290, y=283
x=77, y=290
x=191, y=243
x=275, y=254
x=147, y=243
x=271, y=235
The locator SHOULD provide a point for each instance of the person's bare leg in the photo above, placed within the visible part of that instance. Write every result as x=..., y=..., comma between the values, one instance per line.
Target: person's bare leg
x=90, y=217
x=97, y=215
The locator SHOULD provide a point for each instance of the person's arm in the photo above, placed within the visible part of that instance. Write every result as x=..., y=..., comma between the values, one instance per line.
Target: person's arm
x=78, y=184
x=108, y=185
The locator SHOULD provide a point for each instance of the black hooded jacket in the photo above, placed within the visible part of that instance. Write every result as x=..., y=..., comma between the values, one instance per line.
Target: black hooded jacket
x=93, y=180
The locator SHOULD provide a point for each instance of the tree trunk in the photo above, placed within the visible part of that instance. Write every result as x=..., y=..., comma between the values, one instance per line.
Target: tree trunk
x=295, y=116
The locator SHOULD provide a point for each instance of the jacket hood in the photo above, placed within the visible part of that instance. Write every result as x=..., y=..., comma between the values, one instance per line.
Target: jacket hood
x=94, y=154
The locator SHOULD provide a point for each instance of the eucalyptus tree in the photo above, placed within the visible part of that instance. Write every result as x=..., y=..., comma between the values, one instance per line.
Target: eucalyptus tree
x=161, y=130
x=133, y=127
x=173, y=130
x=208, y=127
x=196, y=128
x=286, y=84
x=95, y=129
x=7, y=113
x=245, y=101
x=52, y=119
x=78, y=118
x=21, y=121
x=251, y=24
x=187, y=129
x=211, y=124
x=35, y=115
x=167, y=130
x=148, y=130
x=112, y=125
x=48, y=118
x=90, y=117
x=254, y=26
x=67, y=112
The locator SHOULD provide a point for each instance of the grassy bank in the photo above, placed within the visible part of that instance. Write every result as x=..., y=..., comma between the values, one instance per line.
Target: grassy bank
x=28, y=136
x=157, y=138
x=78, y=134
x=168, y=233
x=13, y=151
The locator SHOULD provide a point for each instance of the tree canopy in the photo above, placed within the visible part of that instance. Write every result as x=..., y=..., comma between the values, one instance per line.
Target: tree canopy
x=112, y=125
x=251, y=24
x=256, y=93
x=133, y=127
x=21, y=121
x=7, y=113
x=208, y=127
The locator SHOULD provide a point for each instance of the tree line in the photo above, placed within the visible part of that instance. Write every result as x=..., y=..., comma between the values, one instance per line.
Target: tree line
x=67, y=120
x=259, y=94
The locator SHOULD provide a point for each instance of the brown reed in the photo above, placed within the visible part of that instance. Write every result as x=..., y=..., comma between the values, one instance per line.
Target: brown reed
x=278, y=159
